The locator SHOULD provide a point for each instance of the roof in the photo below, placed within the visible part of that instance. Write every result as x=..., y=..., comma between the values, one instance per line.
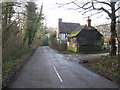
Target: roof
x=77, y=31
x=86, y=35
x=68, y=27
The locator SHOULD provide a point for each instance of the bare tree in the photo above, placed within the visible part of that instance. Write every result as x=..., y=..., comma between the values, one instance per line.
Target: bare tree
x=110, y=7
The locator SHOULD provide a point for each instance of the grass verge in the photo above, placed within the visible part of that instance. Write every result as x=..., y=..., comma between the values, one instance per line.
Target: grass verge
x=10, y=67
x=106, y=66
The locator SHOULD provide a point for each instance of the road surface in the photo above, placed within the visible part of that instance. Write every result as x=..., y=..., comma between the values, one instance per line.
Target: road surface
x=47, y=68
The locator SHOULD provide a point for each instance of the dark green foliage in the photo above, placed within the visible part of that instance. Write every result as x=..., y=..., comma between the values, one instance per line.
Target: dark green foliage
x=45, y=42
x=53, y=40
x=7, y=13
x=15, y=32
x=33, y=21
x=31, y=18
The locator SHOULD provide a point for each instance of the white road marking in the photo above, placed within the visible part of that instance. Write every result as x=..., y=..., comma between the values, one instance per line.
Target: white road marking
x=58, y=74
x=62, y=87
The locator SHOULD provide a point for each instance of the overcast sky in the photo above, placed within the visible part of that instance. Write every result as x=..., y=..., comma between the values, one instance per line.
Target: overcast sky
x=52, y=13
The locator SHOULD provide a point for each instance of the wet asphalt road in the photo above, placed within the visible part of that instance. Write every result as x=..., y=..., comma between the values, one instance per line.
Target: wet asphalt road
x=48, y=68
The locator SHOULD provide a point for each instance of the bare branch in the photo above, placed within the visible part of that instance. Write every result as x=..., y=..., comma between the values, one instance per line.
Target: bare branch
x=118, y=21
x=100, y=16
x=83, y=7
x=61, y=5
x=103, y=2
x=103, y=9
x=93, y=14
x=96, y=13
x=87, y=11
x=85, y=4
x=73, y=8
x=117, y=16
x=117, y=9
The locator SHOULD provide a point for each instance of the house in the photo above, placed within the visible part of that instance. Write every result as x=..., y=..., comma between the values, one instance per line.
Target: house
x=86, y=39
x=65, y=28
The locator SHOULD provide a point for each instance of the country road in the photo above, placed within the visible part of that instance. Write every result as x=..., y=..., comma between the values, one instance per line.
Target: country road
x=47, y=68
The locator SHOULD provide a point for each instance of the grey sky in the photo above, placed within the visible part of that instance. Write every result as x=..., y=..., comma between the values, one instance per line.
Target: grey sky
x=52, y=13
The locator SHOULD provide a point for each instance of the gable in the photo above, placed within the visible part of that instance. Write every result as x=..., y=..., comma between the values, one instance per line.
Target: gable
x=89, y=36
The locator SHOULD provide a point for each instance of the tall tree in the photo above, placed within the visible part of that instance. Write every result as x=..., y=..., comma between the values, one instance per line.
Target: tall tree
x=32, y=22
x=7, y=14
x=10, y=30
x=110, y=7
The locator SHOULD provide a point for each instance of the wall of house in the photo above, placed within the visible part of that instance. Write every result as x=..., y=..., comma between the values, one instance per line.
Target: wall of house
x=73, y=44
x=91, y=48
x=63, y=36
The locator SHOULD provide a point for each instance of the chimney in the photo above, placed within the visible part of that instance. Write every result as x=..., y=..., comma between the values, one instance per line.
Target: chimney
x=89, y=22
x=60, y=20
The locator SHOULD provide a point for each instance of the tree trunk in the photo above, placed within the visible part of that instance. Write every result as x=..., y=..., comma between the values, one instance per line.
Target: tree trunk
x=113, y=47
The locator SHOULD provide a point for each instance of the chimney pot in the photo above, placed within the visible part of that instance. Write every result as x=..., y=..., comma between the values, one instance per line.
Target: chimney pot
x=60, y=20
x=89, y=22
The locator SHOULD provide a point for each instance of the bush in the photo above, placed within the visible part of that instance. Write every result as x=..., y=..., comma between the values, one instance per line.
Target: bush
x=60, y=45
x=45, y=42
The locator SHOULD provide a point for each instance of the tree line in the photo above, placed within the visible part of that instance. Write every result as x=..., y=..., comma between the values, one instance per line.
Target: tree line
x=22, y=25
x=23, y=30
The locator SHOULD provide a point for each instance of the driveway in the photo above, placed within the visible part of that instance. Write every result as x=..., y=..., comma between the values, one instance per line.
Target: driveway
x=81, y=57
x=47, y=68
